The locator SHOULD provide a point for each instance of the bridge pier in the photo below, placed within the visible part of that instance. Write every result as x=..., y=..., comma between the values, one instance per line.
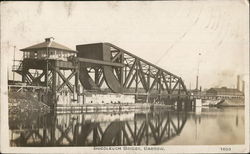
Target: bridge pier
x=179, y=105
x=188, y=105
x=57, y=79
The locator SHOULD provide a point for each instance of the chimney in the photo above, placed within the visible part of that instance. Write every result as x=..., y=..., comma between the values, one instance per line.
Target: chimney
x=238, y=82
x=49, y=39
x=243, y=87
x=197, y=78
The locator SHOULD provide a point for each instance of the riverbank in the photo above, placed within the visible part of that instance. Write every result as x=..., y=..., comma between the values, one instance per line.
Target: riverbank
x=28, y=101
x=25, y=101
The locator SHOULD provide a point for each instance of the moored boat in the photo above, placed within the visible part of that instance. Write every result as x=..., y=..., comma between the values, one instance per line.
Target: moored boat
x=215, y=102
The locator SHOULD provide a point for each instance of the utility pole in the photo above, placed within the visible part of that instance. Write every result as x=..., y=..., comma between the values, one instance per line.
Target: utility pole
x=197, y=77
x=14, y=56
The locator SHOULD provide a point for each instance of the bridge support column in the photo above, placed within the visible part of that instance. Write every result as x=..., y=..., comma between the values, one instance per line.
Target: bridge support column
x=179, y=104
x=61, y=85
x=188, y=105
x=54, y=91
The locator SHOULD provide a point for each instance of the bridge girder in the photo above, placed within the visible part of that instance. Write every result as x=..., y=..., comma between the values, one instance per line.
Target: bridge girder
x=136, y=76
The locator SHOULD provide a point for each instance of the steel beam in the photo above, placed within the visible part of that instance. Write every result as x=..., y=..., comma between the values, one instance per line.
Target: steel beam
x=99, y=62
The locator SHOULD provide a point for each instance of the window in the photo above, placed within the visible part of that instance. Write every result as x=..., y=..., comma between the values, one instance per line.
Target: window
x=31, y=54
x=59, y=54
x=44, y=54
x=26, y=55
x=35, y=54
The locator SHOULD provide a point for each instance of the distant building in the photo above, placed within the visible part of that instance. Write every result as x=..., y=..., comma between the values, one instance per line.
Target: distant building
x=224, y=91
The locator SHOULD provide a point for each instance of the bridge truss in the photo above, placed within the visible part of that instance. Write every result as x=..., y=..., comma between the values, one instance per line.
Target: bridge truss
x=103, y=67
x=133, y=75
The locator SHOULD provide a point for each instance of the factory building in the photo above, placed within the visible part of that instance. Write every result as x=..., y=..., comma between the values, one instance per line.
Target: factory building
x=224, y=91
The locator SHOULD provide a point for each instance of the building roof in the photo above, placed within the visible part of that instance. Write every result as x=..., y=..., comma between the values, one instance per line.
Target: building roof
x=48, y=43
x=224, y=89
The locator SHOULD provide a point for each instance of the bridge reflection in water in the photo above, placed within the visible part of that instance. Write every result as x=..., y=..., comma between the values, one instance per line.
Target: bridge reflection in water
x=96, y=129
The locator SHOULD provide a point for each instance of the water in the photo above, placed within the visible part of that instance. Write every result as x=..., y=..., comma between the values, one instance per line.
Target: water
x=205, y=126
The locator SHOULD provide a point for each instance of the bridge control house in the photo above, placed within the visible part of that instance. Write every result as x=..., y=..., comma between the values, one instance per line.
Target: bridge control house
x=48, y=50
x=43, y=68
x=35, y=68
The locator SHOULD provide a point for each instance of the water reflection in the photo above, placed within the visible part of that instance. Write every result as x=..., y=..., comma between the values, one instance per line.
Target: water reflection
x=97, y=129
x=213, y=126
x=167, y=127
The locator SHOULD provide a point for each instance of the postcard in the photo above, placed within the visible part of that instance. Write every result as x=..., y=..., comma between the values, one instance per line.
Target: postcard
x=125, y=76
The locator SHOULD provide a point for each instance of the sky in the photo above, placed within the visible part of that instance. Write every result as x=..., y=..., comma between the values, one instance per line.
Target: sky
x=178, y=36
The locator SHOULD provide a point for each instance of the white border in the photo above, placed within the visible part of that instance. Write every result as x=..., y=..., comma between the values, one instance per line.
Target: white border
x=5, y=148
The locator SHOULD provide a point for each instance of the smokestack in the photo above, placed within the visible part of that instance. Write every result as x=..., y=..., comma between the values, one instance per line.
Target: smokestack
x=197, y=78
x=243, y=86
x=238, y=82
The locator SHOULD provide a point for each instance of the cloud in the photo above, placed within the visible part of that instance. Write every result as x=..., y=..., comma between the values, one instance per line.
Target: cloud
x=169, y=32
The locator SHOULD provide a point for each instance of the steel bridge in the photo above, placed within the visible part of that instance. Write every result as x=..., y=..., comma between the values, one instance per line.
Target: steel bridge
x=102, y=67
x=124, y=72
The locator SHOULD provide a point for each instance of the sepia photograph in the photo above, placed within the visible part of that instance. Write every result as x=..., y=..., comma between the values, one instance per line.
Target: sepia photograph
x=125, y=76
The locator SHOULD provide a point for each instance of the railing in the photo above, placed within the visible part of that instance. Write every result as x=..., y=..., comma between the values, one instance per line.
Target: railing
x=216, y=96
x=19, y=88
x=15, y=67
x=18, y=66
